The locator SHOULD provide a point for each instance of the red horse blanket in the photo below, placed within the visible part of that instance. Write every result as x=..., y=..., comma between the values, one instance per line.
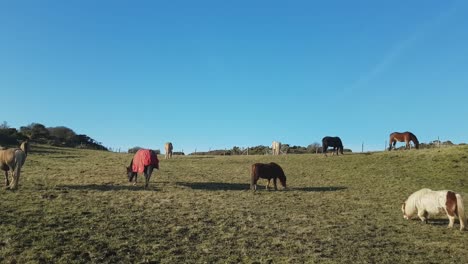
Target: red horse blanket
x=144, y=157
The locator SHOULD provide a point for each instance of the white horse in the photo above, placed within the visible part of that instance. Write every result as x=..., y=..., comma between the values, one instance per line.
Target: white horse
x=427, y=202
x=13, y=159
x=276, y=147
x=168, y=148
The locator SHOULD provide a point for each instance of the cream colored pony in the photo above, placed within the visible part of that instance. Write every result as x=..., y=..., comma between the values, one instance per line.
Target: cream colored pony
x=427, y=202
x=168, y=148
x=13, y=159
x=276, y=147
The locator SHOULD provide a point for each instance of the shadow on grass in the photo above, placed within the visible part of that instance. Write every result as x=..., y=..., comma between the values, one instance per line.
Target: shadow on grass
x=318, y=189
x=215, y=186
x=105, y=187
x=220, y=186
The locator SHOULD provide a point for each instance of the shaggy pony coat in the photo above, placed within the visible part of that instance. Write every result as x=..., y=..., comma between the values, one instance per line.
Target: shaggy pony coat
x=426, y=202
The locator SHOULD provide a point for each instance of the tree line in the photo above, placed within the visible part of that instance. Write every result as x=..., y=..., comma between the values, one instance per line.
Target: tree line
x=55, y=136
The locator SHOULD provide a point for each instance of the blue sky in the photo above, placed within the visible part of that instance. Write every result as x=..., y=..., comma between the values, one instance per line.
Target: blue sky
x=217, y=74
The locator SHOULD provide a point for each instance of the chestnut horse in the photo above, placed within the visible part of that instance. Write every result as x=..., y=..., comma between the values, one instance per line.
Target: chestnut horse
x=403, y=137
x=144, y=161
x=267, y=171
x=334, y=142
x=13, y=159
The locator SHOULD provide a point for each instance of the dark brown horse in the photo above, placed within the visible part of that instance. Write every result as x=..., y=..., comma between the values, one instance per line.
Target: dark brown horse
x=267, y=171
x=403, y=137
x=334, y=142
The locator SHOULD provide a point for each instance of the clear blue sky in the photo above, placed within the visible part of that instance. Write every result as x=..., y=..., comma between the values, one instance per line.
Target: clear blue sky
x=217, y=74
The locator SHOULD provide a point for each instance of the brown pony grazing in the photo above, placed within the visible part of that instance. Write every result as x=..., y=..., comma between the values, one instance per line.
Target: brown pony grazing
x=403, y=137
x=13, y=159
x=144, y=161
x=267, y=171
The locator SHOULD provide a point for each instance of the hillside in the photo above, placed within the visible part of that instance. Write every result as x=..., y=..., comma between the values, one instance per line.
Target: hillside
x=76, y=206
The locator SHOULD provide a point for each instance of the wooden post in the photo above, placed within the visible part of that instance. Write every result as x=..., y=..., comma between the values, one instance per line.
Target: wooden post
x=362, y=148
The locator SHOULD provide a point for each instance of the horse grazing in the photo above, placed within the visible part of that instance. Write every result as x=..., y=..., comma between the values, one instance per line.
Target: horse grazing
x=144, y=161
x=334, y=142
x=426, y=202
x=406, y=137
x=276, y=147
x=267, y=171
x=12, y=159
x=168, y=148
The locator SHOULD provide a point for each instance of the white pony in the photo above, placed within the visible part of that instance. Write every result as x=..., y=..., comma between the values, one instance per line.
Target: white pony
x=426, y=202
x=276, y=147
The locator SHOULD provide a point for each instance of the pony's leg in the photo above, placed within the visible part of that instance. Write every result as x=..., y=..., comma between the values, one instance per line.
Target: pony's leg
x=14, y=181
x=423, y=216
x=451, y=221
x=268, y=184
x=148, y=173
x=274, y=182
x=7, y=182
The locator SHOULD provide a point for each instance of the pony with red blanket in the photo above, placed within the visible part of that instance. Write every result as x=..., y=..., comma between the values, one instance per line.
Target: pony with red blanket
x=267, y=171
x=144, y=161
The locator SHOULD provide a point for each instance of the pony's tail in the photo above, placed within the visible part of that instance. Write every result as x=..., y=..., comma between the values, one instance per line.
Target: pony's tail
x=253, y=173
x=461, y=212
x=20, y=157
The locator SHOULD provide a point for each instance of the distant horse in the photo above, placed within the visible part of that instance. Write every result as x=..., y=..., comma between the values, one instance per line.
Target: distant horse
x=168, y=147
x=144, y=161
x=276, y=147
x=267, y=171
x=13, y=159
x=406, y=137
x=426, y=202
x=334, y=142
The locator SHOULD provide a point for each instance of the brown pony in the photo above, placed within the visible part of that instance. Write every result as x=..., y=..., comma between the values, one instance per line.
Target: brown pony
x=267, y=171
x=13, y=159
x=400, y=137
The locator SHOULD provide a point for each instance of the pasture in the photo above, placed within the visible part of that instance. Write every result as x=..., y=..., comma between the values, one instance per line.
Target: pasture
x=76, y=206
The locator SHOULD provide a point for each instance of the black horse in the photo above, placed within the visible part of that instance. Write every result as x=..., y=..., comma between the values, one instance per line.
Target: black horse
x=334, y=142
x=267, y=171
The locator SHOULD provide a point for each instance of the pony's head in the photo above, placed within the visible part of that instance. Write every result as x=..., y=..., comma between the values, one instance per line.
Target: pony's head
x=403, y=207
x=130, y=174
x=282, y=179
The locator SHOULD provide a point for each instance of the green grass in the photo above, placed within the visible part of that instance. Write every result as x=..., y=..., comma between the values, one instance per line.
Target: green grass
x=76, y=206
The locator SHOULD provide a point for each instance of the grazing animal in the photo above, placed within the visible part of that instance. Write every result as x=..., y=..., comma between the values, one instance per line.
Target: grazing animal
x=334, y=142
x=276, y=147
x=12, y=159
x=144, y=161
x=426, y=202
x=403, y=137
x=168, y=148
x=267, y=171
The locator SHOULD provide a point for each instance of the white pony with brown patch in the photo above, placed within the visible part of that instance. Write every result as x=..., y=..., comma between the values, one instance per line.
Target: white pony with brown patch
x=426, y=202
x=13, y=159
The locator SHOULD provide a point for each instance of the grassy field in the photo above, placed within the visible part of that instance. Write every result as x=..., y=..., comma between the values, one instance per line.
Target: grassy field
x=76, y=206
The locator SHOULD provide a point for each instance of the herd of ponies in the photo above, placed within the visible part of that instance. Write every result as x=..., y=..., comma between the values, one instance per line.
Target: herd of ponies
x=422, y=203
